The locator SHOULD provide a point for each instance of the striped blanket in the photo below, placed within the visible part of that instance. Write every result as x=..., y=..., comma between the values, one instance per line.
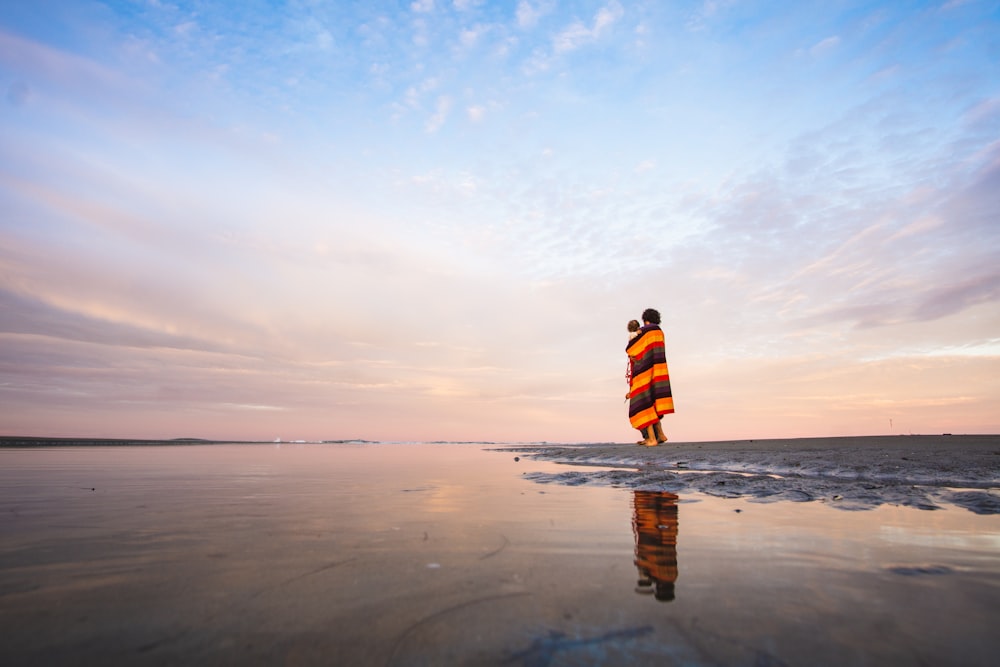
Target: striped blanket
x=649, y=390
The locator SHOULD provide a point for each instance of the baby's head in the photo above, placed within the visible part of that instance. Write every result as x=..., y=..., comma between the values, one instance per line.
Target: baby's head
x=633, y=325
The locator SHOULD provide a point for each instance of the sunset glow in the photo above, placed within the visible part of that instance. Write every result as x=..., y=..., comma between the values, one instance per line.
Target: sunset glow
x=432, y=220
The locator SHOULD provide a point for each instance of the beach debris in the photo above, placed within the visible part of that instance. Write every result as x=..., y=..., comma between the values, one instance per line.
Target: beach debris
x=517, y=458
x=920, y=570
x=738, y=510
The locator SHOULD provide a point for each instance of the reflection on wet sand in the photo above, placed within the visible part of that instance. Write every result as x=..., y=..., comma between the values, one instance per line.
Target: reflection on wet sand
x=654, y=524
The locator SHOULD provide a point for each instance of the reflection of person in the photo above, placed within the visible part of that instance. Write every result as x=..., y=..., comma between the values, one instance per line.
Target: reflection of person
x=655, y=528
x=649, y=386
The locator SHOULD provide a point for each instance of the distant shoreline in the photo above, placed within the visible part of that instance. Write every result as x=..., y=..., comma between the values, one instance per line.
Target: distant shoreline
x=32, y=441
x=9, y=442
x=850, y=472
x=808, y=443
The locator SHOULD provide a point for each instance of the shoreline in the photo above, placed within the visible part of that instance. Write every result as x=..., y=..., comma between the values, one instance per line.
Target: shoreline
x=847, y=472
x=850, y=473
x=12, y=442
x=806, y=442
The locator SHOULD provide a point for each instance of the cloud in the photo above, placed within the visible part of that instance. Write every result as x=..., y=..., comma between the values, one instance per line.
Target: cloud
x=26, y=315
x=441, y=111
x=421, y=33
x=79, y=78
x=984, y=112
x=476, y=113
x=413, y=96
x=886, y=73
x=571, y=38
x=950, y=299
x=529, y=13
x=824, y=46
x=469, y=37
x=577, y=34
x=644, y=166
x=447, y=185
x=185, y=29
x=708, y=11
x=607, y=16
x=164, y=264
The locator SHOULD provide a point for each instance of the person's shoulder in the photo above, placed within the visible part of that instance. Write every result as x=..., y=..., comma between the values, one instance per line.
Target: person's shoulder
x=652, y=331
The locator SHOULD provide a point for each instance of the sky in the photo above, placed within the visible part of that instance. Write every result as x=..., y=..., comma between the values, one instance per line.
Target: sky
x=432, y=220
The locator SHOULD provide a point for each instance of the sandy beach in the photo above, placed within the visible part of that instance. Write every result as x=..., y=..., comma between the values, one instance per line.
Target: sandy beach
x=470, y=554
x=851, y=473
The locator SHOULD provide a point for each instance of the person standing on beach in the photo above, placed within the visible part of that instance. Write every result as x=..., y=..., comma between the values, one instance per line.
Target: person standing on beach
x=649, y=386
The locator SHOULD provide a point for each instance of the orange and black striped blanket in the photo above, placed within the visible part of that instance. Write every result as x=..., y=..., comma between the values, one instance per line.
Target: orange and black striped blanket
x=649, y=391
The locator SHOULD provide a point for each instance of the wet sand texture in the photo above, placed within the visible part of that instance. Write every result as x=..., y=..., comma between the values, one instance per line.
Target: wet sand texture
x=854, y=473
x=447, y=555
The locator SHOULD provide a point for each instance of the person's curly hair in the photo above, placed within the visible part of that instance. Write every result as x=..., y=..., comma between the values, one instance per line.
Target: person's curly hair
x=650, y=315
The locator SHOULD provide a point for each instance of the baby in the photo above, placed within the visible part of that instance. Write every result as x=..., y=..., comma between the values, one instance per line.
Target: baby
x=633, y=329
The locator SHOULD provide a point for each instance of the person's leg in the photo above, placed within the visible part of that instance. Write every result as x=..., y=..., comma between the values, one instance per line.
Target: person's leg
x=650, y=440
x=658, y=432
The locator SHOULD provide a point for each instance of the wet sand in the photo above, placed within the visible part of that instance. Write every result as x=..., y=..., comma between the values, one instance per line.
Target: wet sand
x=851, y=473
x=451, y=554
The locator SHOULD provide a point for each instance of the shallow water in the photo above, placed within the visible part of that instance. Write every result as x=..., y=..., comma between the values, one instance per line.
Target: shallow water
x=446, y=554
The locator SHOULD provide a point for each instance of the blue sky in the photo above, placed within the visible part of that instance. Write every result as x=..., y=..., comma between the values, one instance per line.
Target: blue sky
x=431, y=220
